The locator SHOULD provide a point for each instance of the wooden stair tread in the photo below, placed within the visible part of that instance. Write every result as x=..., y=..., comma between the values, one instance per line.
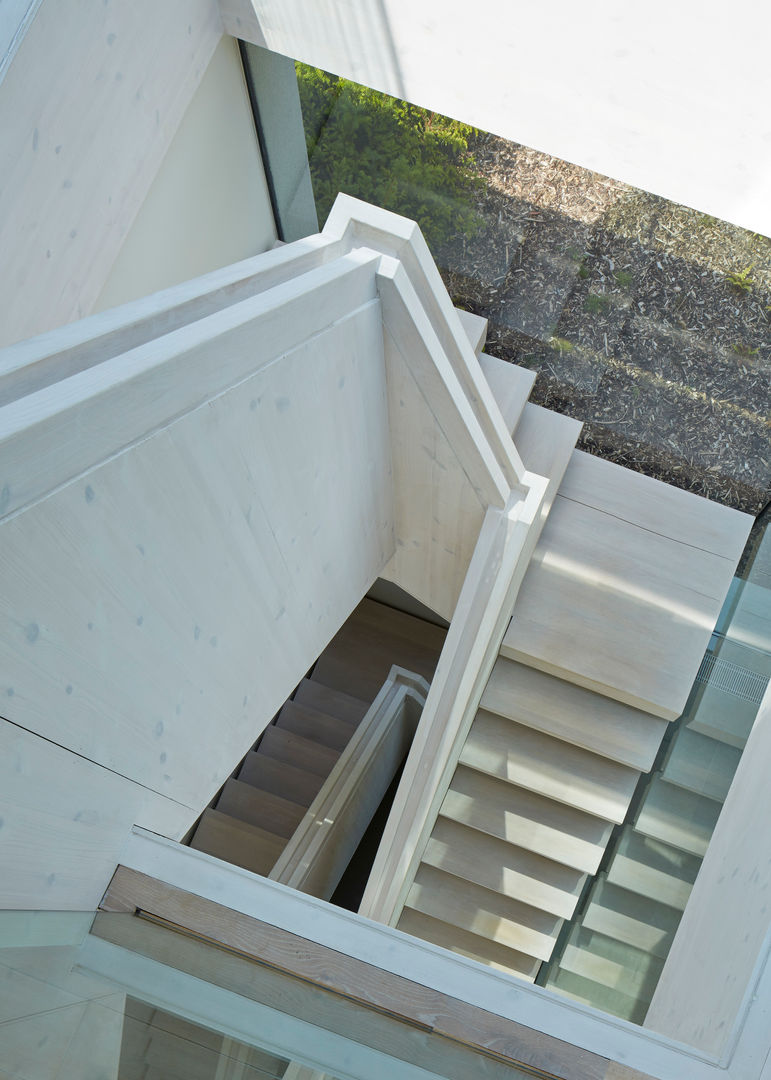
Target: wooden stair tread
x=333, y=702
x=526, y=819
x=510, y=384
x=384, y=619
x=535, y=761
x=474, y=327
x=294, y=750
x=469, y=945
x=267, y=811
x=286, y=781
x=677, y=817
x=598, y=585
x=308, y=722
x=236, y=842
x=502, y=867
x=701, y=764
x=653, y=870
x=482, y=912
x=360, y=656
x=546, y=441
x=338, y=671
x=574, y=714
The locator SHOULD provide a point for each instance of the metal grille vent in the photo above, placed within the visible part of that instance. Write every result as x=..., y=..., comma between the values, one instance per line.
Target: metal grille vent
x=733, y=679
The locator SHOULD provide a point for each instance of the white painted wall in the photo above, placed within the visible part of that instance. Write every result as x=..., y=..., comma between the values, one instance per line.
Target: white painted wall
x=209, y=204
x=56, y=1024
x=88, y=108
x=670, y=97
x=165, y=598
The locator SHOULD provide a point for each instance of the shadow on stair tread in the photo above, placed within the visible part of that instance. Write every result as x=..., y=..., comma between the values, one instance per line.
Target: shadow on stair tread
x=297, y=751
x=287, y=781
x=237, y=842
x=360, y=656
x=559, y=770
x=469, y=945
x=527, y=819
x=326, y=699
x=310, y=723
x=482, y=912
x=503, y=867
x=258, y=807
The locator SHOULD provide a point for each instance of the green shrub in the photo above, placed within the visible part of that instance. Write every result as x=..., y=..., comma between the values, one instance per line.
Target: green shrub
x=389, y=153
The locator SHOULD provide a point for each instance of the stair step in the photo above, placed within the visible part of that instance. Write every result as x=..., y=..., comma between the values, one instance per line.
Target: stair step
x=700, y=764
x=373, y=619
x=294, y=750
x=483, y=912
x=574, y=714
x=599, y=584
x=527, y=820
x=261, y=808
x=314, y=725
x=653, y=870
x=597, y=995
x=620, y=967
x=471, y=945
x=546, y=442
x=550, y=767
x=236, y=842
x=630, y=918
x=677, y=817
x=286, y=781
x=474, y=327
x=333, y=702
x=498, y=865
x=511, y=386
x=359, y=657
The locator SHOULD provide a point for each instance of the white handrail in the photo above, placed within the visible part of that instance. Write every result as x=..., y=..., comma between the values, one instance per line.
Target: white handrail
x=321, y=847
x=359, y=222
x=471, y=647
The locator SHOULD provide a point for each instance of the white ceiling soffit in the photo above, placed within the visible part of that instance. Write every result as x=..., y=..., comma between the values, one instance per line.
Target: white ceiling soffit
x=670, y=97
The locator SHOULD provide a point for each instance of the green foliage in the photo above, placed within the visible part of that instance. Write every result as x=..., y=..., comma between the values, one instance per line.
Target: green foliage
x=562, y=344
x=741, y=348
x=596, y=304
x=389, y=153
x=623, y=279
x=742, y=279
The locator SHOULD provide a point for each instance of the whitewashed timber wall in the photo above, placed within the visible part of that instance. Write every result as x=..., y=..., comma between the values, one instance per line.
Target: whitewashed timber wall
x=209, y=205
x=158, y=607
x=672, y=98
x=92, y=96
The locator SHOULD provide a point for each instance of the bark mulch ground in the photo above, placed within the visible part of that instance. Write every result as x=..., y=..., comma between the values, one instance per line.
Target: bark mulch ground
x=647, y=320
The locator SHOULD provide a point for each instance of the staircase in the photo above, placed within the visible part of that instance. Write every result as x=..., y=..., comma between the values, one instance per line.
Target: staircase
x=615, y=952
x=547, y=769
x=261, y=806
x=543, y=777
x=573, y=713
